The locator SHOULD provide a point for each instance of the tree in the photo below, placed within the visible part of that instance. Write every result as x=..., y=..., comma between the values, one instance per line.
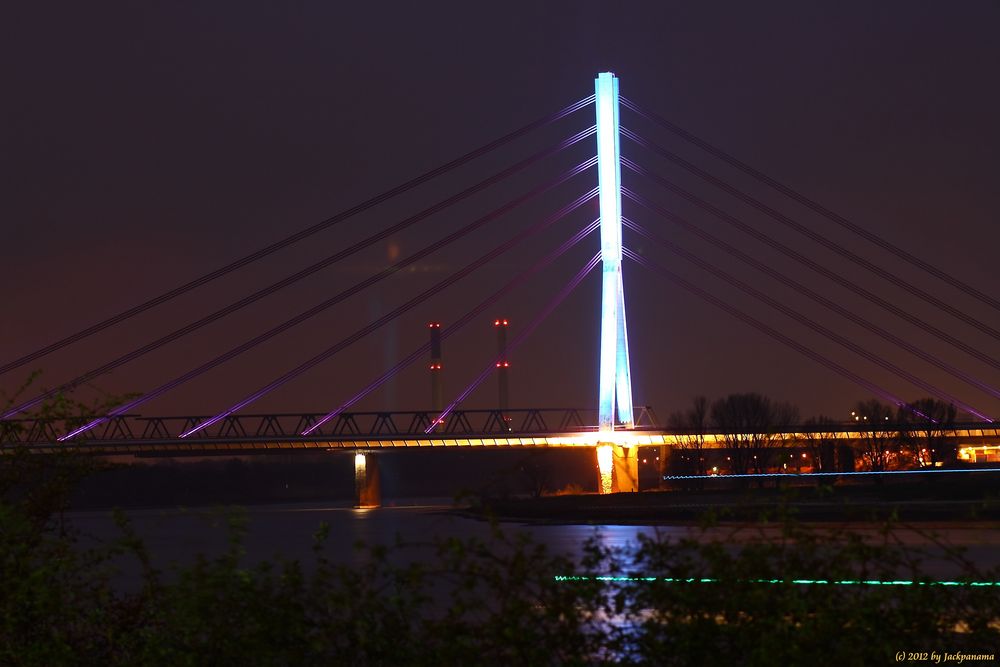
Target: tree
x=536, y=470
x=929, y=420
x=691, y=425
x=751, y=426
x=821, y=443
x=39, y=485
x=877, y=434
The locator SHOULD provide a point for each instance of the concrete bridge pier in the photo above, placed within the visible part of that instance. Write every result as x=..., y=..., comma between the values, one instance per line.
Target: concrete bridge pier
x=367, y=490
x=663, y=467
x=618, y=468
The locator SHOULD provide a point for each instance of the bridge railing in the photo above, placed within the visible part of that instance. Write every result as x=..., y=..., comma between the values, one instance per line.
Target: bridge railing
x=981, y=428
x=290, y=426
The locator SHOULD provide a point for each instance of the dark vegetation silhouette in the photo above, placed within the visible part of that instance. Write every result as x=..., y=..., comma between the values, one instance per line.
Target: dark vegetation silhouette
x=925, y=423
x=692, y=425
x=751, y=426
x=767, y=595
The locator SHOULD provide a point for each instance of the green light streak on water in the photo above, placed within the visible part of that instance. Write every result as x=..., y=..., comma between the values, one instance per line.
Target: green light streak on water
x=803, y=582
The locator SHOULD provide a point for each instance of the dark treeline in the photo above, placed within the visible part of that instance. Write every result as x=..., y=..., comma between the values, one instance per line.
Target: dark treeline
x=751, y=428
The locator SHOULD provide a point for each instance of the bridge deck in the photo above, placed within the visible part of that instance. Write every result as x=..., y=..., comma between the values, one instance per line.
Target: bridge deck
x=120, y=439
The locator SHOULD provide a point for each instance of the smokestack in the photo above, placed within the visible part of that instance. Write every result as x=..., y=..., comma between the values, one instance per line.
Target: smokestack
x=437, y=404
x=503, y=364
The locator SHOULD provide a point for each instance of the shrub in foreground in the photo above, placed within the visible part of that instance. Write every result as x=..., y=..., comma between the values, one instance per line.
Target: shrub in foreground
x=770, y=594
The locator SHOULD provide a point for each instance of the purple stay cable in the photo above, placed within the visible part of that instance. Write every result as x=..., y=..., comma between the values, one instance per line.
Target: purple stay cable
x=871, y=237
x=519, y=338
x=773, y=333
x=301, y=317
x=388, y=317
x=361, y=333
x=829, y=245
x=814, y=266
x=814, y=296
x=816, y=237
x=298, y=236
x=297, y=276
x=812, y=324
x=458, y=324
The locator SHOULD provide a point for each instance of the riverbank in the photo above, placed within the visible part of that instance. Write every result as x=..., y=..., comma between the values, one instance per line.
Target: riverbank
x=954, y=500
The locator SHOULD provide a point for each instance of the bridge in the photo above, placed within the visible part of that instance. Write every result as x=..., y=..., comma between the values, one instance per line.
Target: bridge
x=616, y=428
x=544, y=427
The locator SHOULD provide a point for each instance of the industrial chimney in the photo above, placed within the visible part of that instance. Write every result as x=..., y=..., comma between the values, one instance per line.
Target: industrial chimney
x=503, y=364
x=436, y=389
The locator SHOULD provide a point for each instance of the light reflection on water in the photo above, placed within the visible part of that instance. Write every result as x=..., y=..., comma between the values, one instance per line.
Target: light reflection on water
x=287, y=529
x=176, y=535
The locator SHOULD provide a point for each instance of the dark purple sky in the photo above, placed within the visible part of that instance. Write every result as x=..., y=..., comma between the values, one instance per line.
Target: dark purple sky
x=145, y=145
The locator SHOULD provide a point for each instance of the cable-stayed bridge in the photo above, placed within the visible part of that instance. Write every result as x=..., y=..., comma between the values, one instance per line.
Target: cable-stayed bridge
x=615, y=423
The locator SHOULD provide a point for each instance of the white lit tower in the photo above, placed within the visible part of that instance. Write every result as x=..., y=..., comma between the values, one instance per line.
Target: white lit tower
x=615, y=383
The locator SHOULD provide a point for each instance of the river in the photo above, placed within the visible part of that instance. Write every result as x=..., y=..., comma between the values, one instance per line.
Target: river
x=286, y=531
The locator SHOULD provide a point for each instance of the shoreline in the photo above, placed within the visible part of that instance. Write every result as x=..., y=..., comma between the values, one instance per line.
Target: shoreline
x=911, y=503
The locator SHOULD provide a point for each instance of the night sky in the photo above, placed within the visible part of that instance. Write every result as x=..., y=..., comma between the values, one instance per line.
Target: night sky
x=144, y=144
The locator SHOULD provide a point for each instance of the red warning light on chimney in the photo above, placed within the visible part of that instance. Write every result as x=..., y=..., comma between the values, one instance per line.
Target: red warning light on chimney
x=500, y=324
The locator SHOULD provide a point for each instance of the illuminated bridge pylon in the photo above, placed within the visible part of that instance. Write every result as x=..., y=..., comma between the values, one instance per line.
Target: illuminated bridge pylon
x=617, y=462
x=615, y=381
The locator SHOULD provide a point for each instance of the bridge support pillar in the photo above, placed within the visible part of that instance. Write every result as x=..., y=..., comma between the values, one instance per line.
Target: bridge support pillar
x=618, y=468
x=367, y=490
x=626, y=477
x=663, y=465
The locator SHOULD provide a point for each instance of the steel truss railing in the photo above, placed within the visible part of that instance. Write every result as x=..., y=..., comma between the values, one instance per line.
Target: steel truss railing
x=140, y=435
x=348, y=425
